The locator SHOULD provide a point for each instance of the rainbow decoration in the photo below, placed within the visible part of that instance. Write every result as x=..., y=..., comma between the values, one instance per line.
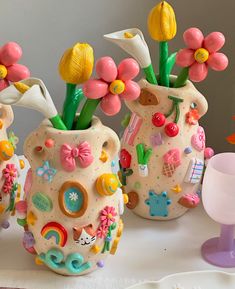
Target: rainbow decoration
x=56, y=231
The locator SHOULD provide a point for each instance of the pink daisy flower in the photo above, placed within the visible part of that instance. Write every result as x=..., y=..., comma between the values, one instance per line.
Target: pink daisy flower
x=113, y=84
x=10, y=70
x=107, y=216
x=202, y=53
x=7, y=187
x=102, y=232
x=10, y=173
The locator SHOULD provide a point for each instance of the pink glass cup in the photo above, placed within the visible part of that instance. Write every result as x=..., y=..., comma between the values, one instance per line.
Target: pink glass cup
x=218, y=196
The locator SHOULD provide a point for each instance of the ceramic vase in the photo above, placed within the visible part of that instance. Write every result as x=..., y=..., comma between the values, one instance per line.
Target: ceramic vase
x=160, y=169
x=9, y=166
x=74, y=201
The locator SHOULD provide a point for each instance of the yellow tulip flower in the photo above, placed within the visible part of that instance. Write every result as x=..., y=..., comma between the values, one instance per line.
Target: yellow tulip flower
x=162, y=23
x=76, y=64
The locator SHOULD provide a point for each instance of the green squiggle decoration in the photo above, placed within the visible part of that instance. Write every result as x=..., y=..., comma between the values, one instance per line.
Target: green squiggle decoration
x=74, y=263
x=175, y=107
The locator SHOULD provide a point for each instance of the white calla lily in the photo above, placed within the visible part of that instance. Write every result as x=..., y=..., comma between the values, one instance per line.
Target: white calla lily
x=36, y=97
x=135, y=44
x=32, y=93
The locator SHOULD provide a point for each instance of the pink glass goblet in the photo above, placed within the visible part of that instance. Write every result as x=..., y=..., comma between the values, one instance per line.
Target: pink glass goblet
x=218, y=197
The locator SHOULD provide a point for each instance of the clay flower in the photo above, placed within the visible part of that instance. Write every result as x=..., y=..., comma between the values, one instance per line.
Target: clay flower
x=107, y=216
x=10, y=70
x=32, y=93
x=114, y=83
x=132, y=41
x=202, y=53
x=102, y=232
x=192, y=117
x=162, y=24
x=10, y=173
x=7, y=187
x=162, y=27
x=75, y=68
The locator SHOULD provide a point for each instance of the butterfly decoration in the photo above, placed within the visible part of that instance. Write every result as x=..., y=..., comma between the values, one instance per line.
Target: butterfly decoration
x=46, y=172
x=13, y=139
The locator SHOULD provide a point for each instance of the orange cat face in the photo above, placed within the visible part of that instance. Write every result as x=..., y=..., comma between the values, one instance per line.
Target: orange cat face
x=84, y=236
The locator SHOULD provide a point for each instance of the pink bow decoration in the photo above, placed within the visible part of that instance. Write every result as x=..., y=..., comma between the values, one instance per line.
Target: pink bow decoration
x=82, y=152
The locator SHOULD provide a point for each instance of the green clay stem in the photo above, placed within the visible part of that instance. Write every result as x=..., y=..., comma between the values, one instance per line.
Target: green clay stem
x=128, y=172
x=164, y=77
x=182, y=78
x=85, y=117
x=58, y=123
x=150, y=75
x=73, y=98
x=170, y=63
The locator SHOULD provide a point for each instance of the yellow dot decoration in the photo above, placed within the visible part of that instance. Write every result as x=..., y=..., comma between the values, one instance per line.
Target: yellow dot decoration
x=2, y=208
x=22, y=164
x=3, y=71
x=38, y=261
x=104, y=156
x=117, y=87
x=31, y=218
x=6, y=150
x=95, y=249
x=201, y=55
x=125, y=198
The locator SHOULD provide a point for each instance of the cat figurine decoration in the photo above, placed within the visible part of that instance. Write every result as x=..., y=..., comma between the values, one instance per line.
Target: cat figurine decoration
x=84, y=236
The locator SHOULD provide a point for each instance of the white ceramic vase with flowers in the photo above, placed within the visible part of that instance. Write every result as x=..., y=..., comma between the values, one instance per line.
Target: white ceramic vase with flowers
x=163, y=146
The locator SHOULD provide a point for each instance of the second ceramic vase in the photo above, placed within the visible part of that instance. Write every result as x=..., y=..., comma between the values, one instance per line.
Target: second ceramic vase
x=162, y=155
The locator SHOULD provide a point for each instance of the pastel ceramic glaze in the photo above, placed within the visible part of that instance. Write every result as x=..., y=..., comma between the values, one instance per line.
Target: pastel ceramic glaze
x=9, y=166
x=162, y=168
x=74, y=201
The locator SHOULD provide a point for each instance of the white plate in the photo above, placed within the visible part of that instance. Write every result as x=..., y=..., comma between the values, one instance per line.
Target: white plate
x=192, y=280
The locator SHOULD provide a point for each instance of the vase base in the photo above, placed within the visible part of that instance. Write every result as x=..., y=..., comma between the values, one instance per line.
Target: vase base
x=213, y=255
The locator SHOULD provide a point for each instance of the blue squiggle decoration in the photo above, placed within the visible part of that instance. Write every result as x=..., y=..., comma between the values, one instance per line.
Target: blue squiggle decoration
x=74, y=263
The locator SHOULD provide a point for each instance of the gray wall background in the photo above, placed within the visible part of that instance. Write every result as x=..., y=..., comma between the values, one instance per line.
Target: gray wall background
x=45, y=28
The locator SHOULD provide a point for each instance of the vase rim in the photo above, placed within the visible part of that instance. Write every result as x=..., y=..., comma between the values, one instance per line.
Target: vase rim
x=95, y=123
x=173, y=77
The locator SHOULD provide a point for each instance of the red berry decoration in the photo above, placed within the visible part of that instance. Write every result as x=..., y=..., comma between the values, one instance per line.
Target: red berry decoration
x=171, y=129
x=158, y=119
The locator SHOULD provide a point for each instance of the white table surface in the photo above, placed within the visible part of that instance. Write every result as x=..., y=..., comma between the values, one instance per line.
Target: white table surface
x=149, y=250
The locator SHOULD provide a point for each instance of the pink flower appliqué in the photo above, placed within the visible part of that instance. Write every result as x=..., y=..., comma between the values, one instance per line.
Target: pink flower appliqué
x=202, y=53
x=10, y=173
x=114, y=83
x=10, y=70
x=107, y=216
x=7, y=187
x=102, y=232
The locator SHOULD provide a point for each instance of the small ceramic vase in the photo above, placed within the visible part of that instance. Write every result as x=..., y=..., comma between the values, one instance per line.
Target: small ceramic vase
x=9, y=166
x=74, y=201
x=162, y=155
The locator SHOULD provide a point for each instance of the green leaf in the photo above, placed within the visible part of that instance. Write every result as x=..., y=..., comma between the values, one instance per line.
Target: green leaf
x=170, y=63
